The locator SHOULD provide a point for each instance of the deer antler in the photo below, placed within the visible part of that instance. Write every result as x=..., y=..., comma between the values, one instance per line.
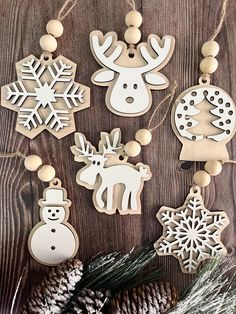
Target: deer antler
x=164, y=52
x=99, y=50
x=111, y=148
x=85, y=146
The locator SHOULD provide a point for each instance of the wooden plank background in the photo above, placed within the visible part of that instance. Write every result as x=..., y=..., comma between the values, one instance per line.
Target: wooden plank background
x=22, y=23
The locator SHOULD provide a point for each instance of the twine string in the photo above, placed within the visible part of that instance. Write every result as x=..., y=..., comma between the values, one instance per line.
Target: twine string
x=169, y=95
x=131, y=3
x=221, y=21
x=12, y=155
x=228, y=161
x=66, y=9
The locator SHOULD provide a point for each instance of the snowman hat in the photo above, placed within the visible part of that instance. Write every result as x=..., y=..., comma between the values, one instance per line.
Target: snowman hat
x=54, y=197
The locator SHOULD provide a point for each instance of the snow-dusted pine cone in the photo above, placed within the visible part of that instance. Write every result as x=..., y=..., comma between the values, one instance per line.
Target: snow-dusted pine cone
x=56, y=289
x=152, y=298
x=89, y=302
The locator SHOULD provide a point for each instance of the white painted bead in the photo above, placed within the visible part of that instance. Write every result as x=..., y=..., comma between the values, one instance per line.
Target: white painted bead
x=55, y=28
x=132, y=35
x=132, y=148
x=133, y=18
x=201, y=178
x=213, y=167
x=46, y=173
x=210, y=48
x=48, y=43
x=143, y=136
x=32, y=162
x=208, y=65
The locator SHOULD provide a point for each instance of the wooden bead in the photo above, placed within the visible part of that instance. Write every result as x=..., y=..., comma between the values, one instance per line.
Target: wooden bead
x=32, y=162
x=55, y=28
x=213, y=167
x=143, y=136
x=132, y=35
x=201, y=178
x=208, y=65
x=133, y=18
x=46, y=173
x=210, y=48
x=48, y=43
x=132, y=148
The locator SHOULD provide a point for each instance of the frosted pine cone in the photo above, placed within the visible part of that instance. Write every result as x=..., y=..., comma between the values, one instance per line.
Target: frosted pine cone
x=152, y=298
x=89, y=302
x=55, y=291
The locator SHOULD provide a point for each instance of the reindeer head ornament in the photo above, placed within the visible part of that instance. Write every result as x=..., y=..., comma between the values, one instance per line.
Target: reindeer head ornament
x=130, y=73
x=117, y=184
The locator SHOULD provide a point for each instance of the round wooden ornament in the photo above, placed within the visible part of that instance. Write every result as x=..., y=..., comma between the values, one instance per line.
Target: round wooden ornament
x=130, y=72
x=53, y=240
x=203, y=119
x=45, y=95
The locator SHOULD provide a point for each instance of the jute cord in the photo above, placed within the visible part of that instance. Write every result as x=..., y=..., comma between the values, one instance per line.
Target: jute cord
x=66, y=9
x=221, y=21
x=131, y=3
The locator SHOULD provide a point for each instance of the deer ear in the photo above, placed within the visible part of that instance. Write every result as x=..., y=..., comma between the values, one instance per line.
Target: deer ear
x=103, y=76
x=157, y=79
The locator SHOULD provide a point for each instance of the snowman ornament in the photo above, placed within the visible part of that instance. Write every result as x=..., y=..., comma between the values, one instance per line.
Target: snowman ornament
x=53, y=240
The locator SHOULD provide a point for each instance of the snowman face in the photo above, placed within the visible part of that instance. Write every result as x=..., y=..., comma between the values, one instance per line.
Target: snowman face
x=53, y=214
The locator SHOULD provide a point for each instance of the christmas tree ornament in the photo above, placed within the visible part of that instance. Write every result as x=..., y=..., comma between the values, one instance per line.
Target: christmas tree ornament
x=45, y=95
x=191, y=233
x=53, y=240
x=203, y=116
x=130, y=71
x=117, y=184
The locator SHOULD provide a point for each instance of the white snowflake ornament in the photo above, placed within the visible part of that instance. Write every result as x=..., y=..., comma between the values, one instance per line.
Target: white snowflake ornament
x=191, y=233
x=45, y=96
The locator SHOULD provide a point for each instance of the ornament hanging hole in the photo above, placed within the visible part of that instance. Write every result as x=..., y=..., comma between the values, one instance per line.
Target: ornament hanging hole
x=204, y=80
x=46, y=57
x=56, y=182
x=131, y=55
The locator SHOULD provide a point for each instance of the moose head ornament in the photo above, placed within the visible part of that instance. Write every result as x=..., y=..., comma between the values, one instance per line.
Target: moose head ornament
x=130, y=73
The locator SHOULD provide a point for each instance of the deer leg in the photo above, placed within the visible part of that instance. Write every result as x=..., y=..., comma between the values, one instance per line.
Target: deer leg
x=99, y=193
x=109, y=197
x=125, y=199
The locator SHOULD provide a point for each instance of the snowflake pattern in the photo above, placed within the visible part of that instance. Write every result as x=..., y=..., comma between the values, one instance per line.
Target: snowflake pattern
x=45, y=96
x=191, y=232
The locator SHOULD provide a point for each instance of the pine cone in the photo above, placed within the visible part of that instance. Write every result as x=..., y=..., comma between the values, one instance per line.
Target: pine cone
x=55, y=291
x=152, y=298
x=89, y=302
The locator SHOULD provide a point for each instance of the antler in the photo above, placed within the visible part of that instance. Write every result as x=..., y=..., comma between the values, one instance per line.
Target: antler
x=111, y=148
x=99, y=50
x=85, y=148
x=164, y=53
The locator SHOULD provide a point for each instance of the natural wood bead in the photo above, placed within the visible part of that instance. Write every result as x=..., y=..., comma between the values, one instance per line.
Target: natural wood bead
x=55, y=28
x=213, y=167
x=133, y=18
x=143, y=136
x=46, y=173
x=201, y=178
x=132, y=35
x=208, y=65
x=32, y=162
x=210, y=48
x=132, y=148
x=48, y=43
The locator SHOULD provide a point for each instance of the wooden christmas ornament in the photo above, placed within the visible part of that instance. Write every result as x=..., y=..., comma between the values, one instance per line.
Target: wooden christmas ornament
x=203, y=119
x=53, y=240
x=191, y=233
x=117, y=184
x=130, y=72
x=46, y=95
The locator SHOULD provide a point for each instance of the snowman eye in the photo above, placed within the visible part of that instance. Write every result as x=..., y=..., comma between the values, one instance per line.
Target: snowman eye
x=57, y=210
x=49, y=210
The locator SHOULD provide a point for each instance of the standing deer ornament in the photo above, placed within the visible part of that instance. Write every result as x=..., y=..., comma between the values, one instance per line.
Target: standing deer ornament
x=117, y=184
x=130, y=73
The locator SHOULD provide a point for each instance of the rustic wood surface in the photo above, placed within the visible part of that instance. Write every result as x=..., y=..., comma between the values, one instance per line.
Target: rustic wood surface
x=22, y=23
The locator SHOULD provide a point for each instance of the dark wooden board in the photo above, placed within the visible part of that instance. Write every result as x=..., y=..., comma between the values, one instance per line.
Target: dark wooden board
x=22, y=23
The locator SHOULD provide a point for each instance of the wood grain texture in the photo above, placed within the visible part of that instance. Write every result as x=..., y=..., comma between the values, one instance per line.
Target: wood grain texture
x=22, y=23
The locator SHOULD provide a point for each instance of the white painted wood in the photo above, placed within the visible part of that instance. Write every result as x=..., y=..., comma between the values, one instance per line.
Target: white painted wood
x=45, y=96
x=128, y=92
x=191, y=233
x=53, y=240
x=117, y=184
